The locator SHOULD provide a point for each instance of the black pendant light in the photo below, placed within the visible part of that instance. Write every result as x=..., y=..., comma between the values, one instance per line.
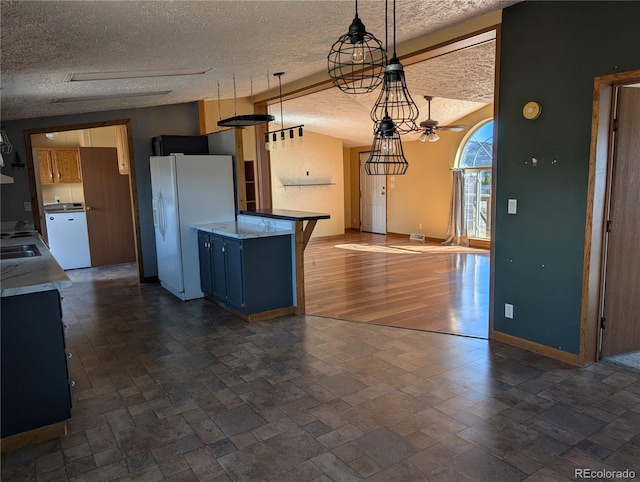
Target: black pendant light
x=387, y=155
x=394, y=99
x=356, y=61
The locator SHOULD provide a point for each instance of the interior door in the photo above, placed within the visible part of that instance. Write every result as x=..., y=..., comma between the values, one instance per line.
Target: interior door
x=621, y=308
x=108, y=202
x=373, y=200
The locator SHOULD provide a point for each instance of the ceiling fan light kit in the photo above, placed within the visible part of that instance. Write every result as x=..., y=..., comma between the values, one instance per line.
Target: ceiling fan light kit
x=430, y=125
x=356, y=60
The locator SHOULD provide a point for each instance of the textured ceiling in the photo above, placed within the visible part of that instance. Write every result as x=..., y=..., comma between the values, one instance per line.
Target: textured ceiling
x=43, y=42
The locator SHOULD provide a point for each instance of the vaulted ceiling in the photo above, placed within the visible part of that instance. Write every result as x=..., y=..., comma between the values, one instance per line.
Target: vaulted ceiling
x=45, y=42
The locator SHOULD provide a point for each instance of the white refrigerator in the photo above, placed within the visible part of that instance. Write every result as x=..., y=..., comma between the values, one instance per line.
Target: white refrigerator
x=186, y=190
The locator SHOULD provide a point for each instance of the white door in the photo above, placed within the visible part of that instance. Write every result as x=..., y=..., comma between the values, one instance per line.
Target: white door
x=373, y=200
x=165, y=221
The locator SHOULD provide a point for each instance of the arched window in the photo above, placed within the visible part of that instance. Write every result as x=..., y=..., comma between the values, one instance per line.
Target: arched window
x=476, y=158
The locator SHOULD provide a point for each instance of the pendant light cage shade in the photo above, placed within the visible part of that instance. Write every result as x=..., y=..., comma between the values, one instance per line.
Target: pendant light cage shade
x=356, y=62
x=395, y=100
x=387, y=155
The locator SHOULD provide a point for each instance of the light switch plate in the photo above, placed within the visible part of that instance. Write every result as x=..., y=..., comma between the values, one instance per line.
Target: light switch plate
x=512, y=206
x=508, y=310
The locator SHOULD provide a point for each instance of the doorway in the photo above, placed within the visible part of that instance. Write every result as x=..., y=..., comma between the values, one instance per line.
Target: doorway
x=373, y=200
x=620, y=305
x=611, y=263
x=116, y=146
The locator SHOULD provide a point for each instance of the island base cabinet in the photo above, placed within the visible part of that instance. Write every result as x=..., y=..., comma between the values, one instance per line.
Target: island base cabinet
x=35, y=384
x=251, y=275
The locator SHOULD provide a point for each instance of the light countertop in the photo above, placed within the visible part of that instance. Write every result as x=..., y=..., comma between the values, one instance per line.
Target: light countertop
x=242, y=230
x=20, y=276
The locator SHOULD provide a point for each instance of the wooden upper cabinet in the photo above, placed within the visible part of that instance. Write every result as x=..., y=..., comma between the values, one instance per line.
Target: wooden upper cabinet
x=67, y=162
x=122, y=147
x=59, y=165
x=46, y=166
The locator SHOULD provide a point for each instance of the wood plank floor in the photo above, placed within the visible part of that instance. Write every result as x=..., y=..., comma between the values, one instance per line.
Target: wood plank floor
x=390, y=280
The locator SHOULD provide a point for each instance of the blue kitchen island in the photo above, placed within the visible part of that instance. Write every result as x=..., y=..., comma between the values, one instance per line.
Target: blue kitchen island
x=254, y=267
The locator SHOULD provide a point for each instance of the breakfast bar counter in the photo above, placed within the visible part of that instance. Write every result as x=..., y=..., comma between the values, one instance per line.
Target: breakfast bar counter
x=302, y=234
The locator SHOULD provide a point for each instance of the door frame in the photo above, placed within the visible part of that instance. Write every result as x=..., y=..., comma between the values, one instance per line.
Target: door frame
x=598, y=184
x=133, y=192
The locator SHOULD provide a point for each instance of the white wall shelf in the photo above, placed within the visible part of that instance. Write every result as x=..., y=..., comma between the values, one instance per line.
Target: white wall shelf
x=309, y=184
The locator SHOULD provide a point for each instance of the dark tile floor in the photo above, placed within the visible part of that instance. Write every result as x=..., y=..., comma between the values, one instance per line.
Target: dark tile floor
x=167, y=390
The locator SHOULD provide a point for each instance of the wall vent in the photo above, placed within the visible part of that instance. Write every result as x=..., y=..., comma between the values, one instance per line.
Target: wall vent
x=416, y=237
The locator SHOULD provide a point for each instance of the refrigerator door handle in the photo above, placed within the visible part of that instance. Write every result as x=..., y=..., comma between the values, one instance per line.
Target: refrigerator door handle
x=162, y=222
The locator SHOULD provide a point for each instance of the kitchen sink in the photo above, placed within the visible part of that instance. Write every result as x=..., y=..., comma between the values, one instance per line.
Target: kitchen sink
x=19, y=251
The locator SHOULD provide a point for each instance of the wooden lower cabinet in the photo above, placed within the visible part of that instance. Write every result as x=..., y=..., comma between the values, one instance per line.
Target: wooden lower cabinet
x=249, y=276
x=35, y=379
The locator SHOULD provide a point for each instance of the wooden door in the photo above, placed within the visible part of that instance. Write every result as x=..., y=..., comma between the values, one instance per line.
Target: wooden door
x=108, y=202
x=621, y=309
x=45, y=165
x=67, y=165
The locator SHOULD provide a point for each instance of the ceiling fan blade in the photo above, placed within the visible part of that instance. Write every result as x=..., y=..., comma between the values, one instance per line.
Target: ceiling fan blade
x=453, y=128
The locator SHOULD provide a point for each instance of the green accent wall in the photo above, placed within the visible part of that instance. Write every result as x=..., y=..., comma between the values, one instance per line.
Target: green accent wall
x=550, y=53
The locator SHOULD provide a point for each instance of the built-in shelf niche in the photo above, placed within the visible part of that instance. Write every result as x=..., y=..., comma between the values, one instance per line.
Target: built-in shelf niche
x=250, y=185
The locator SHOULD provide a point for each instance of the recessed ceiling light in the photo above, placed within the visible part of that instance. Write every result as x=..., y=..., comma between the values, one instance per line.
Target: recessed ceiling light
x=132, y=74
x=109, y=97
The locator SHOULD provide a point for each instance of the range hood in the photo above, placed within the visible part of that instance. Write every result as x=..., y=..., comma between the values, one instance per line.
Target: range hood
x=5, y=179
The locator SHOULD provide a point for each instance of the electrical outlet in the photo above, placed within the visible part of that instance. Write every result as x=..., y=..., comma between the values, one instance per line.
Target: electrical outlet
x=508, y=310
x=420, y=226
x=27, y=206
x=57, y=198
x=512, y=206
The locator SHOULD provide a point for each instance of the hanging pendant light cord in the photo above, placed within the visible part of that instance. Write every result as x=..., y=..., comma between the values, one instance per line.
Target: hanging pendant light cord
x=386, y=47
x=394, y=28
x=219, y=106
x=235, y=104
x=281, y=118
x=268, y=92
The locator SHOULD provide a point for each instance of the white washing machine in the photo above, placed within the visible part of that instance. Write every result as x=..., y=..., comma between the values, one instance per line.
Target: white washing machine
x=68, y=235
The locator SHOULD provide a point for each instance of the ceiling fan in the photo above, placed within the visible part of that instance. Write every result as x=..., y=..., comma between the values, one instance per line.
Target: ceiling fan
x=429, y=126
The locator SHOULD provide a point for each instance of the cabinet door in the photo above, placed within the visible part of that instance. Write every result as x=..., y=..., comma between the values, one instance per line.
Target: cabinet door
x=35, y=385
x=67, y=163
x=235, y=274
x=46, y=167
x=206, y=271
x=219, y=276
